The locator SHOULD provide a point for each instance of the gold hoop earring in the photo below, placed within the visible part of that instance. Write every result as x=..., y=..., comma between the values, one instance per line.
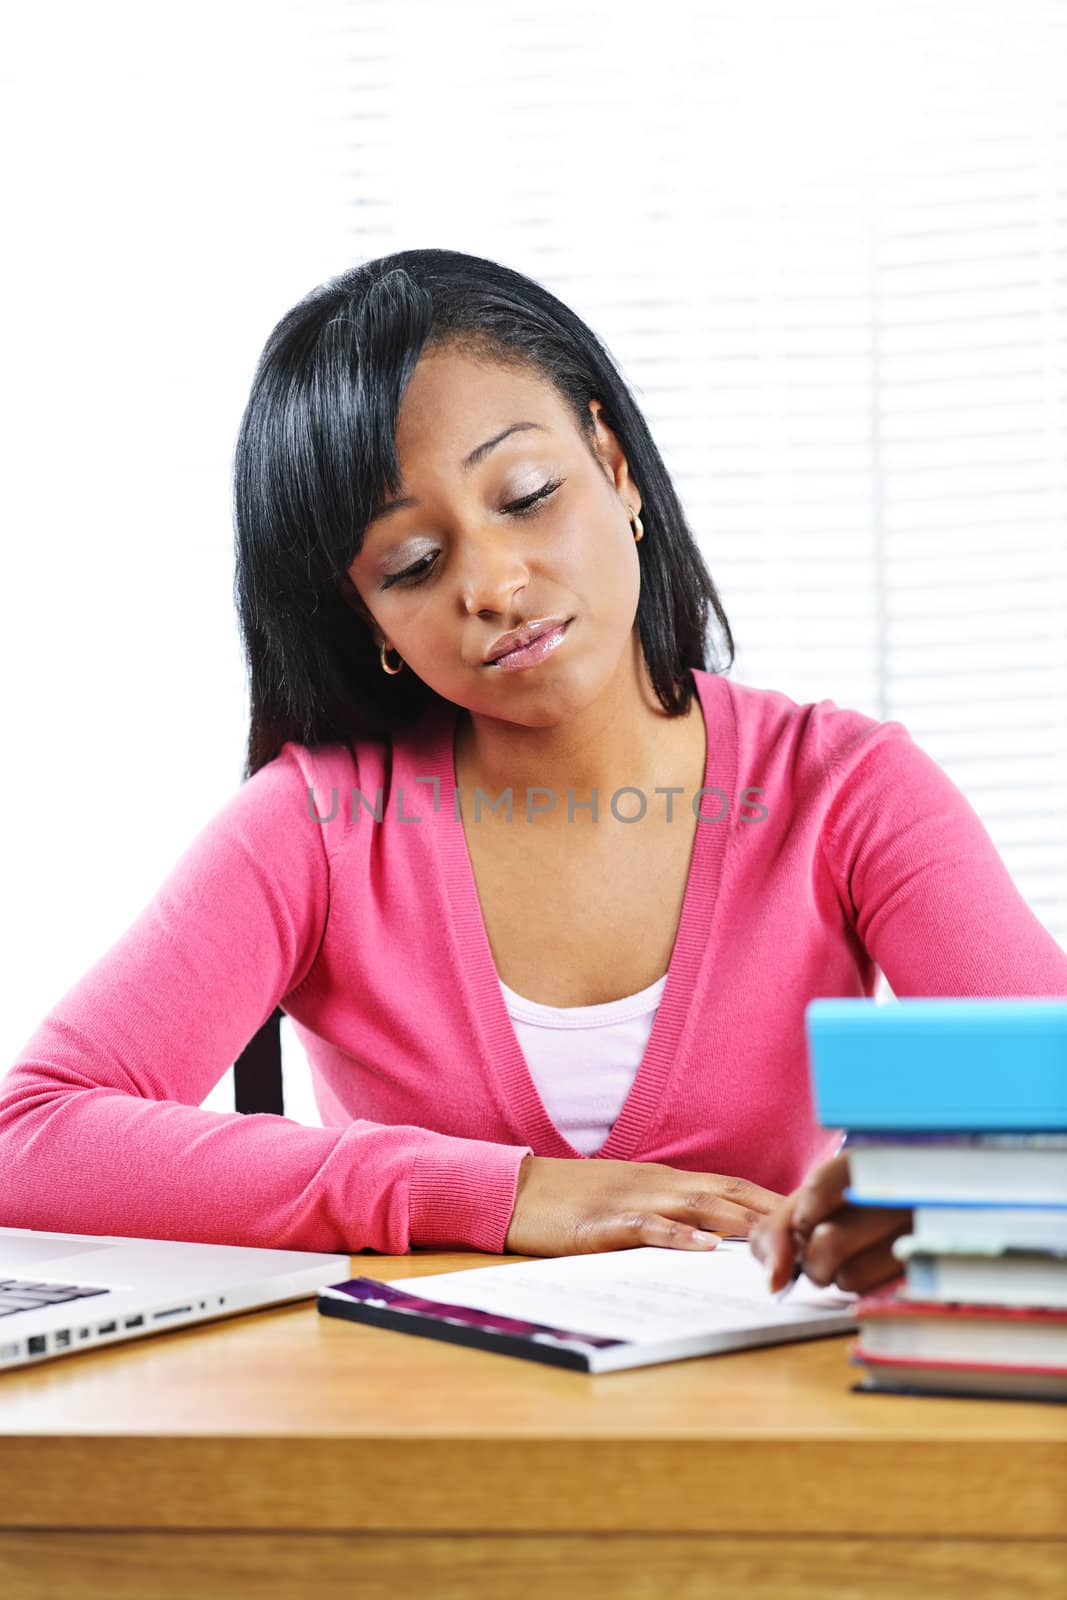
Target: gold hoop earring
x=637, y=525
x=392, y=671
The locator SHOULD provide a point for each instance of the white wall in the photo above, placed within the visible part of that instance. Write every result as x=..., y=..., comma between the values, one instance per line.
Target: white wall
x=174, y=182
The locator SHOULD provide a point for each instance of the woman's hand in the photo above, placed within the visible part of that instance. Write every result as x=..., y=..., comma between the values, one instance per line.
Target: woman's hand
x=834, y=1241
x=565, y=1207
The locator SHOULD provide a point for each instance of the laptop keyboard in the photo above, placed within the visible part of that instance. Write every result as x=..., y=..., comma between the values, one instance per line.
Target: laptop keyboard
x=22, y=1294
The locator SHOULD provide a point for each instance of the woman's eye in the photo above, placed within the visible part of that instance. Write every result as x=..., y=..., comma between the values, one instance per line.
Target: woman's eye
x=521, y=507
x=518, y=508
x=410, y=572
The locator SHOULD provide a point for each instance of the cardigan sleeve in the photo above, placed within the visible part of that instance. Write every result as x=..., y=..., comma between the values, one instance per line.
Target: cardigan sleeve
x=918, y=875
x=102, y=1129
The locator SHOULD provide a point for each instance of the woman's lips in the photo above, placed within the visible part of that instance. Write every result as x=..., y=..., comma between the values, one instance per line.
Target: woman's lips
x=529, y=655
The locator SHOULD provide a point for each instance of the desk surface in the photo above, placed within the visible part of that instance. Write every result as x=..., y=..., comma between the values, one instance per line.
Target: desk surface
x=281, y=1419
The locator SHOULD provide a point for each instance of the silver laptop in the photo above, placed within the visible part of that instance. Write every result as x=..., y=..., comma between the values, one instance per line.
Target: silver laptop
x=64, y=1292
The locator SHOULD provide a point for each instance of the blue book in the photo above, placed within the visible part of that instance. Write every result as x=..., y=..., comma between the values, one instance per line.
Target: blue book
x=965, y=1065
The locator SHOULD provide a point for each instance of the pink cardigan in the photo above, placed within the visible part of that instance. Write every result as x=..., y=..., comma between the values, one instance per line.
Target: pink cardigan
x=856, y=850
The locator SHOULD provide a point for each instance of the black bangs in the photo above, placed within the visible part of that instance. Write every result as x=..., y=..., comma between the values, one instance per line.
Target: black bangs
x=318, y=439
x=316, y=455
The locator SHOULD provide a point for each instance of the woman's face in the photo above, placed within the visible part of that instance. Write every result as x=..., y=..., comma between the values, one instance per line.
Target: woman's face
x=505, y=516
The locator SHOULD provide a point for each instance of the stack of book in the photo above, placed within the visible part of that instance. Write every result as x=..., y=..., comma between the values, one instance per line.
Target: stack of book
x=957, y=1109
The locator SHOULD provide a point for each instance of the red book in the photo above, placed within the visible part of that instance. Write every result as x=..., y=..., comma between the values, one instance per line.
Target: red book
x=906, y=1375
x=929, y=1331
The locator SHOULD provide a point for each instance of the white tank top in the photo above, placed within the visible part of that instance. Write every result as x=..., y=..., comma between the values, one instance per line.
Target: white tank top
x=583, y=1059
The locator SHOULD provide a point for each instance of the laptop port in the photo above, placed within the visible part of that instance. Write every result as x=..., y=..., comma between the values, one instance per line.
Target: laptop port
x=107, y=1327
x=173, y=1311
x=62, y=1338
x=38, y=1344
x=133, y=1322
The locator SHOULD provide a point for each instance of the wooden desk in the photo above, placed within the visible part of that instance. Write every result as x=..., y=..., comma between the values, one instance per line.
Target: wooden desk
x=285, y=1452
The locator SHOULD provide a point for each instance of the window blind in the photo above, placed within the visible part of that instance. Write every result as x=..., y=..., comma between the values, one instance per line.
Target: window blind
x=827, y=245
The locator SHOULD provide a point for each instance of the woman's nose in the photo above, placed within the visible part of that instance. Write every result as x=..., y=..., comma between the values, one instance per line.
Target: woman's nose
x=491, y=578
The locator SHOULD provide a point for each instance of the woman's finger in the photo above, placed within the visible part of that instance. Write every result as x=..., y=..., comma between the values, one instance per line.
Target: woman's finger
x=778, y=1240
x=730, y=1203
x=821, y=1194
x=735, y=1221
x=650, y=1228
x=849, y=1233
x=772, y=1242
x=869, y=1269
x=740, y=1192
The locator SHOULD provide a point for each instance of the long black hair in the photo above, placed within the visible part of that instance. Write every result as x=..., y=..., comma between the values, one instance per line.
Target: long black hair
x=316, y=453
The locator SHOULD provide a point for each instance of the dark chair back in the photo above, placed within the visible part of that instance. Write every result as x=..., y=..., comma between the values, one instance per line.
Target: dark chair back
x=257, y=1072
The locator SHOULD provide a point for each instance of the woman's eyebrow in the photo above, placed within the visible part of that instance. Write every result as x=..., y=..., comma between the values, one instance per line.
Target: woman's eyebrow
x=482, y=450
x=470, y=461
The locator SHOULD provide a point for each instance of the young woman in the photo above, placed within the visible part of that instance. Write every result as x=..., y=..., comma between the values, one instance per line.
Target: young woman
x=543, y=892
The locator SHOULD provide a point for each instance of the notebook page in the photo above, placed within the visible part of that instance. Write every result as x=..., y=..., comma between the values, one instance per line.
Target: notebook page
x=643, y=1294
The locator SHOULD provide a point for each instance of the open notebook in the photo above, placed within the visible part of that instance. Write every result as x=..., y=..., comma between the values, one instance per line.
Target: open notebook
x=602, y=1312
